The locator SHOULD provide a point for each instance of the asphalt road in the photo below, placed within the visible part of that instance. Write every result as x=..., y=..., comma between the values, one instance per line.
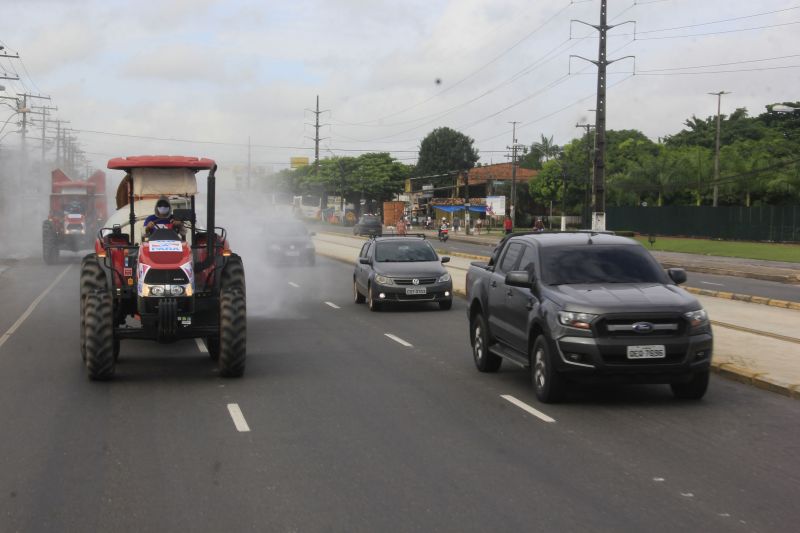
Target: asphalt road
x=753, y=287
x=350, y=430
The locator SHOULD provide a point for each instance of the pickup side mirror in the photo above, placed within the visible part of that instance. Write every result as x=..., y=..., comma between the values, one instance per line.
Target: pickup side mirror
x=364, y=260
x=520, y=278
x=678, y=275
x=445, y=259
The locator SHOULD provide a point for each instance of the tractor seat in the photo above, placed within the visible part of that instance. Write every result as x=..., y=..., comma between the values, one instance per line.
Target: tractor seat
x=162, y=234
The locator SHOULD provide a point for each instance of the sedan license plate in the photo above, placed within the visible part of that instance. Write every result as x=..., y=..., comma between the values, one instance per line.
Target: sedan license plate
x=416, y=290
x=649, y=351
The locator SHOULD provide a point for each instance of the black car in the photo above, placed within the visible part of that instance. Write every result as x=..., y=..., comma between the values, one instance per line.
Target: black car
x=369, y=225
x=587, y=307
x=290, y=242
x=401, y=269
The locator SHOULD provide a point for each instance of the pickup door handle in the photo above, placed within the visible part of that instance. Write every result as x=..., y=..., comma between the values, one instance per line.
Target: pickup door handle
x=494, y=283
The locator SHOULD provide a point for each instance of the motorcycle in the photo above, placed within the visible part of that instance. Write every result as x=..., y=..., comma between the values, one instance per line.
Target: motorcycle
x=444, y=234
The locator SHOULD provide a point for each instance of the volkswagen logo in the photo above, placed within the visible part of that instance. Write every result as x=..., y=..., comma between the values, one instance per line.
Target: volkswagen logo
x=642, y=327
x=415, y=281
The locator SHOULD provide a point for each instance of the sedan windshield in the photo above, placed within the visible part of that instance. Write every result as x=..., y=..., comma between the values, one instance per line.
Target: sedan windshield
x=590, y=263
x=290, y=230
x=402, y=252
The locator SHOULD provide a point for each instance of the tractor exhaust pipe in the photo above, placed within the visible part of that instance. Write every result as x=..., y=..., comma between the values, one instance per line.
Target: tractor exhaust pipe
x=211, y=235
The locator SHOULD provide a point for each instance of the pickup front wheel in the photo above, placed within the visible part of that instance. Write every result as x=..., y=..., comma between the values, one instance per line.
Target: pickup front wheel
x=547, y=383
x=485, y=361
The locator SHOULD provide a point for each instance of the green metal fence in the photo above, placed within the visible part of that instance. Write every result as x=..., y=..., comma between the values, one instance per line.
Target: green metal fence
x=771, y=223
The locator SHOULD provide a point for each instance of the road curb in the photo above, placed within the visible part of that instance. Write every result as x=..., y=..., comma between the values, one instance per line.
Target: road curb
x=757, y=379
x=784, y=304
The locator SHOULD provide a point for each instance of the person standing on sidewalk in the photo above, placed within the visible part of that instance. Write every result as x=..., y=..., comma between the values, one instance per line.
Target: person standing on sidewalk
x=507, y=225
x=456, y=224
x=478, y=224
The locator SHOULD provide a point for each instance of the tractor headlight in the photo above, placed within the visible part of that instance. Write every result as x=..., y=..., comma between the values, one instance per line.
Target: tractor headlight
x=176, y=290
x=156, y=290
x=383, y=280
x=444, y=278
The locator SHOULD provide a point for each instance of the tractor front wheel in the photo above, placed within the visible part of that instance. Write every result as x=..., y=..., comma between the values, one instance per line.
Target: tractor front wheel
x=232, y=334
x=100, y=342
x=49, y=243
x=92, y=279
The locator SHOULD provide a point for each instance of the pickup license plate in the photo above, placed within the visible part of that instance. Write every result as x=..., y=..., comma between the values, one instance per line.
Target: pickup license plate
x=416, y=290
x=649, y=351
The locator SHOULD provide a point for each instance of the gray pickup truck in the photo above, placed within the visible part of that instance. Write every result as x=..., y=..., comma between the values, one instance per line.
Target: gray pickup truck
x=586, y=307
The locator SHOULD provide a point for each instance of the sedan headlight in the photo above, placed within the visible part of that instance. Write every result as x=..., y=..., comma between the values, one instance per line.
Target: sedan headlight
x=383, y=280
x=697, y=319
x=443, y=278
x=576, y=320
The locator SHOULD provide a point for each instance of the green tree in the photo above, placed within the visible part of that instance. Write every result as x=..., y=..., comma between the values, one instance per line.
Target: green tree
x=446, y=150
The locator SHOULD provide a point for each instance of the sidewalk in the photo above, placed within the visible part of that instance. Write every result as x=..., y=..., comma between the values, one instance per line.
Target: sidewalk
x=763, y=352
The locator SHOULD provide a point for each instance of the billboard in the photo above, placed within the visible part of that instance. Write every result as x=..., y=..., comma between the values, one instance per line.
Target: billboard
x=496, y=206
x=297, y=162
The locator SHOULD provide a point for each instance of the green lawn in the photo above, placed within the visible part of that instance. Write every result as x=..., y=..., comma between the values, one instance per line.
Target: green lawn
x=748, y=250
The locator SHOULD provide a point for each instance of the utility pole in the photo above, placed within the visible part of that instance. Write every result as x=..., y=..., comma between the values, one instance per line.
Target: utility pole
x=44, y=112
x=716, y=150
x=511, y=210
x=599, y=187
x=317, y=139
x=25, y=97
x=586, y=212
x=248, y=162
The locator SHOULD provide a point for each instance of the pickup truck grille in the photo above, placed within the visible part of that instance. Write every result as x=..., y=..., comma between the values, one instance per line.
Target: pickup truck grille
x=641, y=327
x=410, y=281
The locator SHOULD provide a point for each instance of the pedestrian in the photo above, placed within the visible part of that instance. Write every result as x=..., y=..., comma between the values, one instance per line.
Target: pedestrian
x=456, y=224
x=538, y=226
x=401, y=227
x=429, y=223
x=508, y=225
x=478, y=225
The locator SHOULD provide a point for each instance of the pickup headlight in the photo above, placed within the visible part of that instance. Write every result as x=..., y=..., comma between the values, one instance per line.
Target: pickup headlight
x=576, y=320
x=383, y=280
x=697, y=319
x=443, y=278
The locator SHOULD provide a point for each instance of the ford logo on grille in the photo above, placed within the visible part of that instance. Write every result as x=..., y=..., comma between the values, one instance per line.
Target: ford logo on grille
x=642, y=327
x=415, y=281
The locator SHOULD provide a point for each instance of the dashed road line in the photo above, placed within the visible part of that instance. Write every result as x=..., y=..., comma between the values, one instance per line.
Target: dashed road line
x=238, y=418
x=397, y=339
x=709, y=283
x=293, y=284
x=31, y=307
x=201, y=345
x=528, y=409
x=331, y=304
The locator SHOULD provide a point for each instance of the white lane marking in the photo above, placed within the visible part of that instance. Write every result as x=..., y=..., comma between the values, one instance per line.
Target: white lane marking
x=395, y=338
x=201, y=345
x=293, y=284
x=30, y=308
x=331, y=304
x=238, y=418
x=717, y=284
x=528, y=409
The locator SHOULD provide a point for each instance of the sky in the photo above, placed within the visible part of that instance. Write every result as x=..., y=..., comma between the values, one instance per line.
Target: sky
x=129, y=74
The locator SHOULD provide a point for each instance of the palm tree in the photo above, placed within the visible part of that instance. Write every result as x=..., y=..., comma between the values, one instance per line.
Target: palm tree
x=546, y=148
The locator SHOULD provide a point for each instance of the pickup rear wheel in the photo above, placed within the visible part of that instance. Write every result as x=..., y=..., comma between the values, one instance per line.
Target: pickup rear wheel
x=485, y=361
x=548, y=385
x=693, y=389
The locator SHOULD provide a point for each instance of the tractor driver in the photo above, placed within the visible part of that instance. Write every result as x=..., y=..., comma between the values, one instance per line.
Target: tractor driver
x=162, y=218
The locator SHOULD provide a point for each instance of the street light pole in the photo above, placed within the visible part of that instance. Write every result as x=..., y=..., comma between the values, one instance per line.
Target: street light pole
x=716, y=150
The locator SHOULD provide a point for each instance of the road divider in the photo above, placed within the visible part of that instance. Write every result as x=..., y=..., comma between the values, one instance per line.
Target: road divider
x=398, y=340
x=238, y=418
x=15, y=326
x=528, y=409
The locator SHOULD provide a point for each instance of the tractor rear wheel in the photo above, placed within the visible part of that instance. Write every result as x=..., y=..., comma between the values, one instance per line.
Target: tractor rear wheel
x=49, y=243
x=232, y=334
x=100, y=342
x=92, y=279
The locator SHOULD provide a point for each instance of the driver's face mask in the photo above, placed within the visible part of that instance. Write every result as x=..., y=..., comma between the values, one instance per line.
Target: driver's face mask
x=162, y=210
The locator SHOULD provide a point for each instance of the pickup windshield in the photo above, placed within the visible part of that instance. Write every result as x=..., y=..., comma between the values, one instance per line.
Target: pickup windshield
x=402, y=252
x=591, y=263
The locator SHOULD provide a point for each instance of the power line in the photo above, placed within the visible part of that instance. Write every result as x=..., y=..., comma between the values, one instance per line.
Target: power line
x=715, y=32
x=709, y=23
x=740, y=62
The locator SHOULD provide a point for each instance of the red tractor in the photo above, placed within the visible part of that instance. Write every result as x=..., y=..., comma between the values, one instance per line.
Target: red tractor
x=173, y=283
x=77, y=211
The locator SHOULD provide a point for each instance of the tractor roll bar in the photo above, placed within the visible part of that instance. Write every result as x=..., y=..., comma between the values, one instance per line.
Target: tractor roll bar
x=132, y=216
x=211, y=234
